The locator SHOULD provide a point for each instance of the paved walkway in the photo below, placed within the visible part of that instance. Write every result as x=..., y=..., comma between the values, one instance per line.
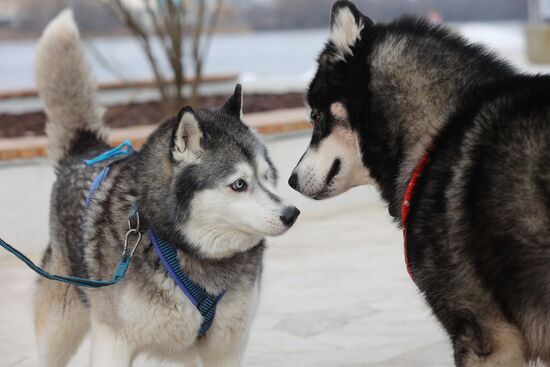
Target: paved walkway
x=335, y=291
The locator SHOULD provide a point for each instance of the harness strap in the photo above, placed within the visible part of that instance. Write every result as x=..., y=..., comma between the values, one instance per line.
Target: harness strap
x=124, y=150
x=205, y=303
x=98, y=180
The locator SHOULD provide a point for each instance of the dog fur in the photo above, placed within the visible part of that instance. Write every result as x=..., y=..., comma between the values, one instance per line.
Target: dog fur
x=479, y=222
x=184, y=181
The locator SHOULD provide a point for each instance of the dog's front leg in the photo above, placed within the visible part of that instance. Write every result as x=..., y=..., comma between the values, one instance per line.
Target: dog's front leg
x=191, y=359
x=109, y=348
x=223, y=357
x=225, y=349
x=225, y=344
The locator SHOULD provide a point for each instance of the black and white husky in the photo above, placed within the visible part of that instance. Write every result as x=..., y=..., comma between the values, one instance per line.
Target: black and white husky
x=203, y=181
x=387, y=95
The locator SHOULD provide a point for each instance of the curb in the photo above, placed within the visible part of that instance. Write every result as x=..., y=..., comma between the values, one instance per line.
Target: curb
x=136, y=84
x=266, y=123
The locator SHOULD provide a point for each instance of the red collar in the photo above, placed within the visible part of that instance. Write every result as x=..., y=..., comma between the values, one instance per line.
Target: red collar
x=405, y=208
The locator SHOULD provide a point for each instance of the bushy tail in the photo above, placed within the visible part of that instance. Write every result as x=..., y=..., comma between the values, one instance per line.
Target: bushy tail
x=66, y=86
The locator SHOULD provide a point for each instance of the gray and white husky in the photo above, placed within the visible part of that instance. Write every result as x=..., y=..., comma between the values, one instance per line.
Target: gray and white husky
x=478, y=237
x=203, y=181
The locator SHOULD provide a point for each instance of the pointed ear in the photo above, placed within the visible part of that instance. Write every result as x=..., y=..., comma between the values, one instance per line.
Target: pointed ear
x=187, y=137
x=234, y=105
x=346, y=25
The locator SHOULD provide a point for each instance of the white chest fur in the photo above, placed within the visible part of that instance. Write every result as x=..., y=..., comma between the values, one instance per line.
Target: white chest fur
x=167, y=323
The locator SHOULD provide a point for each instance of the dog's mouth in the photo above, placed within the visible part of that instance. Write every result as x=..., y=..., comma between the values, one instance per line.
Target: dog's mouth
x=326, y=193
x=321, y=196
x=334, y=170
x=314, y=188
x=328, y=189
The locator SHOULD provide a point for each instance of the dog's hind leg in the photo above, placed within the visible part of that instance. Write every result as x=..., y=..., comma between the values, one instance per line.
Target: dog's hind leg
x=61, y=321
x=503, y=345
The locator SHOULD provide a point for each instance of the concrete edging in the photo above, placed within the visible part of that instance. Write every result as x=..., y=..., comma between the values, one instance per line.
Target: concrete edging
x=266, y=123
x=135, y=84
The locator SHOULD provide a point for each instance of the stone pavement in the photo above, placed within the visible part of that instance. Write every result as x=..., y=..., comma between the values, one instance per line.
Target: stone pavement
x=335, y=291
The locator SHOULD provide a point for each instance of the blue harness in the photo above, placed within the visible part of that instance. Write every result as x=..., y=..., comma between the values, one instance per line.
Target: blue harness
x=204, y=302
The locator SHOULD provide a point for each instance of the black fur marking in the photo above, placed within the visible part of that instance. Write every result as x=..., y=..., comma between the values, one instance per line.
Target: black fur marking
x=272, y=169
x=85, y=141
x=272, y=196
x=334, y=170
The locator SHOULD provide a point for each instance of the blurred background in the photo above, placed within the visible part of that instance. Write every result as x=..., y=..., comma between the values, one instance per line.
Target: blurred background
x=336, y=292
x=150, y=57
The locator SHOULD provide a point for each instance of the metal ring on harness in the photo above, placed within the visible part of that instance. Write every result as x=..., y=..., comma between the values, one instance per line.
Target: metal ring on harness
x=133, y=214
x=132, y=231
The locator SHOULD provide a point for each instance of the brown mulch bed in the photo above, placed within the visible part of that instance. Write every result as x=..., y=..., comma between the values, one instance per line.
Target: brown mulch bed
x=135, y=114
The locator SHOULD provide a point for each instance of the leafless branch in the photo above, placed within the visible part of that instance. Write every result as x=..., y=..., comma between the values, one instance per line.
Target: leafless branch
x=202, y=40
x=170, y=22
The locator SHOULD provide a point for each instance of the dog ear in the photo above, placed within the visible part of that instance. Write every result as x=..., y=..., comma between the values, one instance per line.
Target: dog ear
x=187, y=136
x=346, y=25
x=234, y=105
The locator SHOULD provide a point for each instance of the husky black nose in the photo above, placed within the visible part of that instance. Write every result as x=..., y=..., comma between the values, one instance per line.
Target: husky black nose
x=293, y=181
x=289, y=216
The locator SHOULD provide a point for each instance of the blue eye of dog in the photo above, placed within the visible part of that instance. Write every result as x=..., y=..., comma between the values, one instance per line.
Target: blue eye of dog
x=239, y=185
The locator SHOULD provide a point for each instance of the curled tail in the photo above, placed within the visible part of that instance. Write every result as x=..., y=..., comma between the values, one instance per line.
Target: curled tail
x=68, y=91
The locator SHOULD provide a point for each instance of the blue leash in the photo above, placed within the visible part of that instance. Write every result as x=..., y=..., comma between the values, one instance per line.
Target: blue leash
x=124, y=150
x=120, y=270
